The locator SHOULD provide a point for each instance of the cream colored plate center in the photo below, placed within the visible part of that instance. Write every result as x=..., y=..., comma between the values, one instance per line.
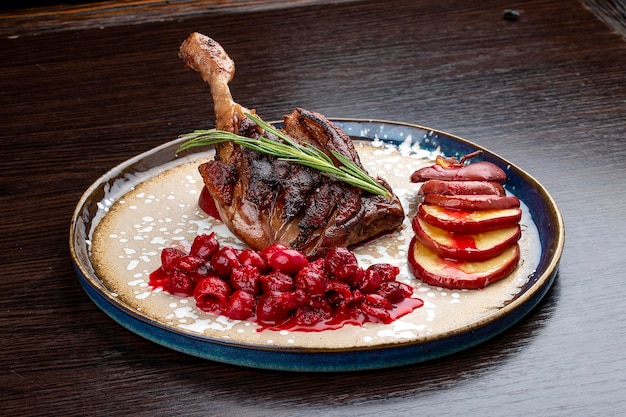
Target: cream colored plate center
x=160, y=210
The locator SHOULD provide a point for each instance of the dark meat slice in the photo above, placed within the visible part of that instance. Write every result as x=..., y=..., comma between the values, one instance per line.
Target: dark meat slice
x=263, y=200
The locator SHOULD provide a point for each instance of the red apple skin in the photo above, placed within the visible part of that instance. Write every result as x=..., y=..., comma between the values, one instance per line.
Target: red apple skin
x=462, y=188
x=466, y=247
x=207, y=204
x=476, y=171
x=472, y=202
x=461, y=221
x=451, y=275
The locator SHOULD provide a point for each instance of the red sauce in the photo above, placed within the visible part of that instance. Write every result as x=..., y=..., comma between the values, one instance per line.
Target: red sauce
x=158, y=279
x=460, y=241
x=342, y=318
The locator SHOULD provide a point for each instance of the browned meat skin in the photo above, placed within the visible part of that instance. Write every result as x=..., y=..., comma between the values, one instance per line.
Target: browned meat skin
x=307, y=126
x=263, y=200
x=338, y=214
x=203, y=54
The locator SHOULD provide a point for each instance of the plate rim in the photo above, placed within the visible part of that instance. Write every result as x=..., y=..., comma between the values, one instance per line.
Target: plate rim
x=536, y=290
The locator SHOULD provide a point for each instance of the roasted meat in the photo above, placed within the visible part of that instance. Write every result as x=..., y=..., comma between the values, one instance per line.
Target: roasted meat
x=263, y=200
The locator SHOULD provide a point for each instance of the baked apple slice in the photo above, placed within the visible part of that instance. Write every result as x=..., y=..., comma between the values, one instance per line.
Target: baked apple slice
x=434, y=270
x=472, y=202
x=462, y=188
x=476, y=171
x=466, y=247
x=468, y=221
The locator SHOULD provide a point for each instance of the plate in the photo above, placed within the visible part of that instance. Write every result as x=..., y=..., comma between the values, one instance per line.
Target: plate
x=127, y=216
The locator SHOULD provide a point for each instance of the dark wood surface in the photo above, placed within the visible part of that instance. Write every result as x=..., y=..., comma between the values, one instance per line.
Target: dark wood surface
x=547, y=92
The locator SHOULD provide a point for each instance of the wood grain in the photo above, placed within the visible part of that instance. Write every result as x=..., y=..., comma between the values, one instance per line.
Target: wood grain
x=51, y=17
x=611, y=12
x=545, y=92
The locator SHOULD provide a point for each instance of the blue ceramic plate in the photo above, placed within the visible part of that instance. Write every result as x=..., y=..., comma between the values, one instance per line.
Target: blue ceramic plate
x=149, y=202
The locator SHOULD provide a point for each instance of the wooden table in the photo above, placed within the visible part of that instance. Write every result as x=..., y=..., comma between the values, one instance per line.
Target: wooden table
x=84, y=89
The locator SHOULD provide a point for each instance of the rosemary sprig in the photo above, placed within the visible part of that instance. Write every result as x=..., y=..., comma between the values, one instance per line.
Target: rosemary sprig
x=290, y=151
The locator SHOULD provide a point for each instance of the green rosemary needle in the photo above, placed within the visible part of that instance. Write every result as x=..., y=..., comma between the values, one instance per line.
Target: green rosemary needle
x=290, y=151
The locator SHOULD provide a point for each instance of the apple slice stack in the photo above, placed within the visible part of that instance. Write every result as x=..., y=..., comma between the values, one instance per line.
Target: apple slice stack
x=466, y=228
